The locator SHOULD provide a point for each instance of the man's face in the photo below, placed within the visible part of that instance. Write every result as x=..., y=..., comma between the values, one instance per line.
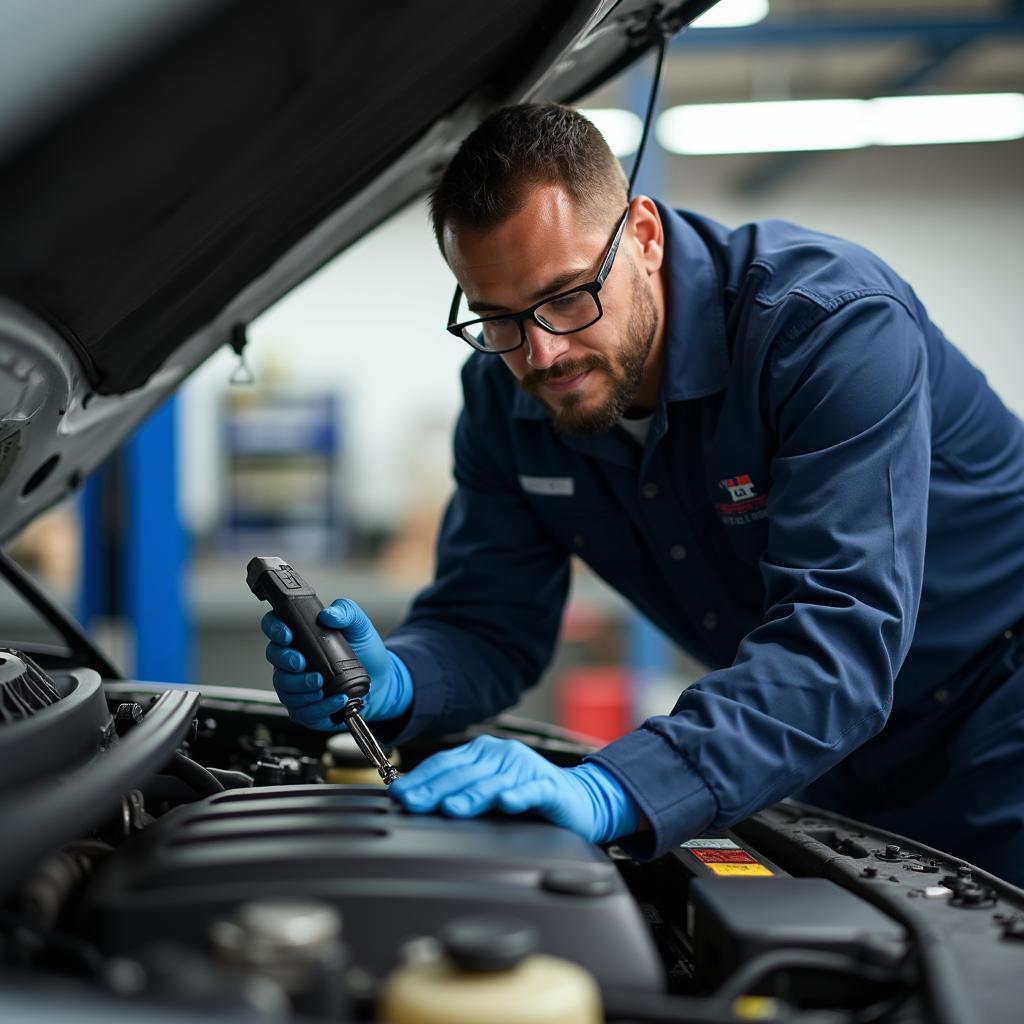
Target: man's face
x=589, y=378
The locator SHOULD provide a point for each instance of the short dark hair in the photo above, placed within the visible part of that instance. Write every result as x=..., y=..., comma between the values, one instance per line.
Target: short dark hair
x=519, y=147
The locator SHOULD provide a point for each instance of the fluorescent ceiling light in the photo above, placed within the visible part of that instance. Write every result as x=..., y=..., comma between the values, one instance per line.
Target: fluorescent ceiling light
x=788, y=126
x=926, y=120
x=762, y=127
x=732, y=14
x=621, y=128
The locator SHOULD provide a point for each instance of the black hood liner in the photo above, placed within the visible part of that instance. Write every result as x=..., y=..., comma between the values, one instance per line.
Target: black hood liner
x=134, y=220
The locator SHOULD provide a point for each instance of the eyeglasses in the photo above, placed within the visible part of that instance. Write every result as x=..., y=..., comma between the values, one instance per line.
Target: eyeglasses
x=564, y=313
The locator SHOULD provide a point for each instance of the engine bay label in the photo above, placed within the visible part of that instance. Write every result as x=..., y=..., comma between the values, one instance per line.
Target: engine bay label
x=750, y=870
x=725, y=856
x=720, y=855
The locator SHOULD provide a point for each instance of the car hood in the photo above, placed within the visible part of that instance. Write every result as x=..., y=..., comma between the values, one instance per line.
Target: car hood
x=169, y=170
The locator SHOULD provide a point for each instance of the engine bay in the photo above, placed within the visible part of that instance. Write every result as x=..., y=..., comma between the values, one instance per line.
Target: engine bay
x=175, y=852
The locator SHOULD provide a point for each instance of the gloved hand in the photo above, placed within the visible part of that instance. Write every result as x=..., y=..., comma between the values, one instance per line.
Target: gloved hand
x=301, y=692
x=489, y=772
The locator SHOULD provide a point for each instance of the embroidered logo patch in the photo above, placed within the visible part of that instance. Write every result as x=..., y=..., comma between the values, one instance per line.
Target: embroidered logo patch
x=745, y=504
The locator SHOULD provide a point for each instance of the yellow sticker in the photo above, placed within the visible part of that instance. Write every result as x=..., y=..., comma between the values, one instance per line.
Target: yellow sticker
x=740, y=869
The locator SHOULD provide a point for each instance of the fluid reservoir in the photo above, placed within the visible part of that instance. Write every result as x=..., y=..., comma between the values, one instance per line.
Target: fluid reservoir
x=345, y=764
x=490, y=971
x=295, y=943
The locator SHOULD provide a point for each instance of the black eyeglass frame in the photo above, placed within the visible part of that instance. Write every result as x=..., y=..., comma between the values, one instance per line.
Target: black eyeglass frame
x=592, y=287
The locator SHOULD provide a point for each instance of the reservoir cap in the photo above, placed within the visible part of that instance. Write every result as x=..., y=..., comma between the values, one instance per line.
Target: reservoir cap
x=487, y=943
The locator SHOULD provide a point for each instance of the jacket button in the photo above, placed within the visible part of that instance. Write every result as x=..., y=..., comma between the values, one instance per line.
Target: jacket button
x=941, y=695
x=678, y=552
x=649, y=490
x=578, y=541
x=709, y=621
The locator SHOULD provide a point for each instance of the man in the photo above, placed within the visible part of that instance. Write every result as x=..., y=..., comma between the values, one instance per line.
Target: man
x=756, y=435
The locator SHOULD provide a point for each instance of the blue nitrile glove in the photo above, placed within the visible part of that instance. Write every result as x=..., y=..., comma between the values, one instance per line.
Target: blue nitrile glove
x=301, y=692
x=507, y=774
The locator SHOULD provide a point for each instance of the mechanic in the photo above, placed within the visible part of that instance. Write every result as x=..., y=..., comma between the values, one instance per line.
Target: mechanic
x=761, y=440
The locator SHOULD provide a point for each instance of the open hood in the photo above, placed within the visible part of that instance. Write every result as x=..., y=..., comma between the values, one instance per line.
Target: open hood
x=168, y=170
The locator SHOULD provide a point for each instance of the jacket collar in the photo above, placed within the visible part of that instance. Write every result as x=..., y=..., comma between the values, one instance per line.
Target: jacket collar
x=696, y=354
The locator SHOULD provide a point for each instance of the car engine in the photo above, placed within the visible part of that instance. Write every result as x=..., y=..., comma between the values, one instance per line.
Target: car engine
x=176, y=855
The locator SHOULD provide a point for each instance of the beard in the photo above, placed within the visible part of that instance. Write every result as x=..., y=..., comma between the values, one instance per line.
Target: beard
x=571, y=415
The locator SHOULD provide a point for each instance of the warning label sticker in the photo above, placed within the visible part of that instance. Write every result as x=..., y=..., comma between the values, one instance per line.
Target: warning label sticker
x=749, y=870
x=709, y=844
x=724, y=856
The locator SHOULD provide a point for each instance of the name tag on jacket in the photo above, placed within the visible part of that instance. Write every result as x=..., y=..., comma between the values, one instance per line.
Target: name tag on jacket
x=552, y=486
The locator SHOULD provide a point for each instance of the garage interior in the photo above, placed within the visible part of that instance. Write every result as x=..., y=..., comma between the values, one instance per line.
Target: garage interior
x=180, y=844
x=329, y=442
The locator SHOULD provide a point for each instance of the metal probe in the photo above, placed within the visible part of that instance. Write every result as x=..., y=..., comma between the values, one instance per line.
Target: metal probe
x=326, y=650
x=368, y=744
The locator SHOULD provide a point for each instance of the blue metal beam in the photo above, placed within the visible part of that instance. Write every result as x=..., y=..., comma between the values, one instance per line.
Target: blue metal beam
x=155, y=553
x=93, y=582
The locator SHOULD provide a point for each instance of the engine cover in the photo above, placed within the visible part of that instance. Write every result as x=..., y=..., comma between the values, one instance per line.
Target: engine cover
x=393, y=876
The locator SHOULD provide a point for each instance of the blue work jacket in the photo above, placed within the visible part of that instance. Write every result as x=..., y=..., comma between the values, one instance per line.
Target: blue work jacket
x=828, y=512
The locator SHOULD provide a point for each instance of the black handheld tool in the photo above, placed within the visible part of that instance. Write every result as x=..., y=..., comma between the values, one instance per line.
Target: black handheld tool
x=326, y=650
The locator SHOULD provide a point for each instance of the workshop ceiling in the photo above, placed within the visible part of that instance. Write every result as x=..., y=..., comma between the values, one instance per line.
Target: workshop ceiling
x=808, y=49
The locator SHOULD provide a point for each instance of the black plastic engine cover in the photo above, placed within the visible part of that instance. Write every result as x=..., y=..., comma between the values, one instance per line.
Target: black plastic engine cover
x=393, y=876
x=734, y=920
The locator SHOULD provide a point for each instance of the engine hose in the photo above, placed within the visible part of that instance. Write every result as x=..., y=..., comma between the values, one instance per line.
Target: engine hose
x=47, y=890
x=193, y=775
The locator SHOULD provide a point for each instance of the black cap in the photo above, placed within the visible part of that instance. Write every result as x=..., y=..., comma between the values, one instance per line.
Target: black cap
x=487, y=943
x=578, y=881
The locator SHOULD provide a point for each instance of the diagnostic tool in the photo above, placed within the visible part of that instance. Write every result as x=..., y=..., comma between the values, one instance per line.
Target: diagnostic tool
x=326, y=650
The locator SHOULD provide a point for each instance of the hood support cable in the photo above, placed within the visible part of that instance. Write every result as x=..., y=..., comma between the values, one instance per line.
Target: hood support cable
x=73, y=634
